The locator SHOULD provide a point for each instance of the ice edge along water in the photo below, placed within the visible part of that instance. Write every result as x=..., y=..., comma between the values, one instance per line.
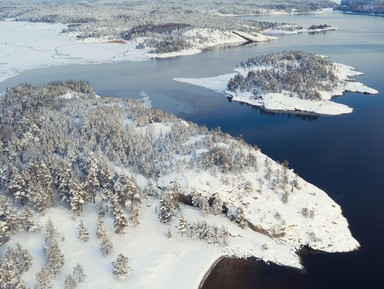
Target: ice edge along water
x=26, y=46
x=283, y=101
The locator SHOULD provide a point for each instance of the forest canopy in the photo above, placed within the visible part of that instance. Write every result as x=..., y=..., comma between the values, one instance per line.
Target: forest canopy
x=300, y=73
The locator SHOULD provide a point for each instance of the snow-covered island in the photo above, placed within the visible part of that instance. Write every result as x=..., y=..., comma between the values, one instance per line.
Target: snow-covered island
x=290, y=28
x=109, y=193
x=288, y=81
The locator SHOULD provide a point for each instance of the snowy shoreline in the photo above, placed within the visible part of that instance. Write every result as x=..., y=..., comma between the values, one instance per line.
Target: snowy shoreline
x=298, y=31
x=27, y=45
x=260, y=208
x=282, y=102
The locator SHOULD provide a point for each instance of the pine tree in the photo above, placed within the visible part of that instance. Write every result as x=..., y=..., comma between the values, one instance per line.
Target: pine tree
x=224, y=235
x=217, y=206
x=64, y=182
x=51, y=235
x=78, y=273
x=196, y=199
x=120, y=267
x=9, y=273
x=78, y=197
x=4, y=232
x=165, y=213
x=183, y=225
x=100, y=229
x=205, y=206
x=70, y=282
x=240, y=219
x=106, y=246
x=133, y=193
x=44, y=279
x=47, y=182
x=83, y=232
x=29, y=221
x=17, y=187
x=120, y=222
x=104, y=174
x=92, y=182
x=37, y=197
x=134, y=218
x=10, y=215
x=23, y=258
x=55, y=259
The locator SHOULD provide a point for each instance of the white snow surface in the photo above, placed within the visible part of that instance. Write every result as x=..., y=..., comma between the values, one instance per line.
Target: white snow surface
x=282, y=101
x=26, y=45
x=182, y=262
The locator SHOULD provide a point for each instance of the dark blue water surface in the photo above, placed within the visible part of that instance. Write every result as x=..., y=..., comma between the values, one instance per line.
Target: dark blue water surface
x=343, y=155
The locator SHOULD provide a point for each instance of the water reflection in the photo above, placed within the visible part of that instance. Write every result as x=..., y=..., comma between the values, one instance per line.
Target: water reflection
x=236, y=273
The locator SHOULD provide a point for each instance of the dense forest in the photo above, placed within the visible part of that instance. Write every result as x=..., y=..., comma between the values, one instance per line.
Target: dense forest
x=359, y=6
x=64, y=147
x=300, y=73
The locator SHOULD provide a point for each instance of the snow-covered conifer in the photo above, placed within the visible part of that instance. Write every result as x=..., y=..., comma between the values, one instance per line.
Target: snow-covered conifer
x=239, y=218
x=78, y=197
x=23, y=258
x=78, y=273
x=44, y=279
x=64, y=182
x=134, y=217
x=55, y=258
x=9, y=273
x=46, y=180
x=100, y=229
x=51, y=235
x=196, y=199
x=4, y=232
x=205, y=208
x=17, y=187
x=120, y=267
x=83, y=232
x=120, y=222
x=92, y=183
x=183, y=225
x=29, y=221
x=133, y=193
x=104, y=174
x=217, y=205
x=70, y=282
x=224, y=235
x=106, y=246
x=164, y=213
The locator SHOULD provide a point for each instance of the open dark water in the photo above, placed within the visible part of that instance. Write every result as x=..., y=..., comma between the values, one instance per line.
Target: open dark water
x=343, y=155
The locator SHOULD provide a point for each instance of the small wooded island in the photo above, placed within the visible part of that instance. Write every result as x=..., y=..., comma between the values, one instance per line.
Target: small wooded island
x=288, y=81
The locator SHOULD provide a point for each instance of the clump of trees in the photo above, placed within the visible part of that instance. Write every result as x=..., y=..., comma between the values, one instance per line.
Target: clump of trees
x=368, y=6
x=299, y=73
